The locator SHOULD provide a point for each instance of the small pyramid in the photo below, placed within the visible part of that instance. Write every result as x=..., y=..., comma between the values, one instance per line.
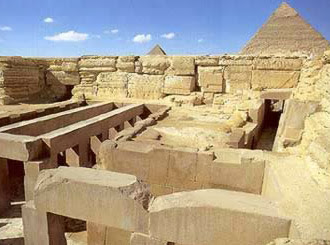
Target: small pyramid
x=157, y=50
x=286, y=32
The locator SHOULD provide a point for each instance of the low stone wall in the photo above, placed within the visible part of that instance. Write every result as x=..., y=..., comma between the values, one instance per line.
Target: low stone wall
x=169, y=170
x=145, y=77
x=119, y=209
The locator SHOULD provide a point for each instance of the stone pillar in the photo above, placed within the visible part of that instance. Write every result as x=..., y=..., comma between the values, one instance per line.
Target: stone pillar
x=4, y=185
x=42, y=228
x=72, y=156
x=32, y=169
x=84, y=154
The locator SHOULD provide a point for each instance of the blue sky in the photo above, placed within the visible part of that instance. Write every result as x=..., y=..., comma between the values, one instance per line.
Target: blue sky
x=125, y=27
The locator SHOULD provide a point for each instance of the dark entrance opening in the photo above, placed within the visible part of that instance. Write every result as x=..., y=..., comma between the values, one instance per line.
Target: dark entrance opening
x=273, y=112
x=16, y=180
x=68, y=93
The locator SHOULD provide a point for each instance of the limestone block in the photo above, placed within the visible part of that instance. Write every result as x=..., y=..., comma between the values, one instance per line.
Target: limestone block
x=181, y=65
x=236, y=60
x=288, y=241
x=269, y=79
x=206, y=61
x=62, y=77
x=210, y=79
x=103, y=197
x=183, y=85
x=126, y=63
x=64, y=66
x=32, y=170
x=225, y=217
x=143, y=239
x=102, y=235
x=238, y=77
x=98, y=63
x=182, y=167
x=112, y=84
x=145, y=86
x=154, y=65
x=50, y=227
x=278, y=63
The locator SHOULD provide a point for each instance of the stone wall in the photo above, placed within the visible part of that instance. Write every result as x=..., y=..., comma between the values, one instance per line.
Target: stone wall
x=169, y=170
x=19, y=79
x=144, y=77
x=312, y=92
x=153, y=77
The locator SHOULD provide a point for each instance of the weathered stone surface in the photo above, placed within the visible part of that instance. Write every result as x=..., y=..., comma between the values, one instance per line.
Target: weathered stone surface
x=181, y=65
x=103, y=235
x=288, y=241
x=210, y=79
x=237, y=78
x=49, y=226
x=126, y=63
x=65, y=78
x=206, y=61
x=179, y=85
x=120, y=199
x=268, y=79
x=145, y=86
x=154, y=65
x=112, y=84
x=142, y=239
x=97, y=63
x=278, y=64
x=236, y=60
x=228, y=218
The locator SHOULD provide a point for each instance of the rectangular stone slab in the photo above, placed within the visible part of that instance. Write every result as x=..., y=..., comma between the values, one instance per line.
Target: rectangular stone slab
x=97, y=196
x=20, y=147
x=48, y=123
x=67, y=137
x=219, y=217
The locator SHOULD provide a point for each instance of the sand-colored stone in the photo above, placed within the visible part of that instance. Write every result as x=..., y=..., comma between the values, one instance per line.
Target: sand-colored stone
x=78, y=185
x=145, y=86
x=225, y=219
x=142, y=239
x=267, y=79
x=179, y=85
x=154, y=65
x=181, y=66
x=210, y=79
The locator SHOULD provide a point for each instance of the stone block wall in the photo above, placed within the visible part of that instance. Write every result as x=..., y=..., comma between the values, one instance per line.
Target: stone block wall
x=19, y=79
x=153, y=77
x=145, y=77
x=169, y=170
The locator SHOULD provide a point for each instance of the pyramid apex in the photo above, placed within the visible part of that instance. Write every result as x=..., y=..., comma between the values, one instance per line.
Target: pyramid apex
x=285, y=10
x=157, y=50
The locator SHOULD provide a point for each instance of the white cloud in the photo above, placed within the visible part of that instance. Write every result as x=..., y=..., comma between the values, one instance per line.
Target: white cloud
x=48, y=20
x=70, y=36
x=200, y=40
x=113, y=31
x=5, y=28
x=142, y=38
x=170, y=35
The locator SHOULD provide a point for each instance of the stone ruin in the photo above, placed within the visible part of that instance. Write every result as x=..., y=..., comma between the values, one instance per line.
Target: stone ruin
x=164, y=150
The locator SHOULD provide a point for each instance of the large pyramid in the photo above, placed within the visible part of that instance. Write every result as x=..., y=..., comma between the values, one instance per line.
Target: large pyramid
x=286, y=32
x=157, y=50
